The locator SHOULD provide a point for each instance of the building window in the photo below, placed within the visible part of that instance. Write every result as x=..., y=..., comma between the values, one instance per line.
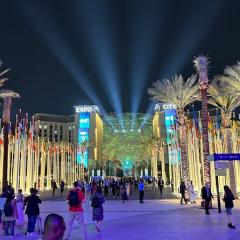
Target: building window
x=39, y=132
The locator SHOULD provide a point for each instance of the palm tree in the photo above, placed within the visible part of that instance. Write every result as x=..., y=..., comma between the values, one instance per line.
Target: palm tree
x=226, y=102
x=7, y=96
x=231, y=78
x=180, y=93
x=201, y=64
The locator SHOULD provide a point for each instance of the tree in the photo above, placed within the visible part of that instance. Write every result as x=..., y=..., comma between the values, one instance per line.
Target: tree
x=7, y=96
x=231, y=79
x=226, y=102
x=201, y=64
x=180, y=93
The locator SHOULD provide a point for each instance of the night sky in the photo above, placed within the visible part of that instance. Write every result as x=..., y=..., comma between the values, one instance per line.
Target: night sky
x=64, y=53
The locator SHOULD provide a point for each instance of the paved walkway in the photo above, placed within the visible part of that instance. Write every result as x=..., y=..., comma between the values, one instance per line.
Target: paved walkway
x=153, y=220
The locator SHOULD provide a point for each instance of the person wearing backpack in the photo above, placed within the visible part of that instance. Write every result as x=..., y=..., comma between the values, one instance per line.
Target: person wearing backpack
x=9, y=214
x=32, y=211
x=75, y=198
x=97, y=202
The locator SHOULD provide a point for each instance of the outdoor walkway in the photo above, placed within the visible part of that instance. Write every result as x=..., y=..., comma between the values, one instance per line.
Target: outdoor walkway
x=153, y=220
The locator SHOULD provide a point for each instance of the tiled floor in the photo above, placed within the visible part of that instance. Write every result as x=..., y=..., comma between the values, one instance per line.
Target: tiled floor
x=153, y=220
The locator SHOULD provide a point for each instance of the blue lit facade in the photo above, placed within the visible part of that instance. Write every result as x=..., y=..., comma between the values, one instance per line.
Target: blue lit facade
x=171, y=136
x=83, y=136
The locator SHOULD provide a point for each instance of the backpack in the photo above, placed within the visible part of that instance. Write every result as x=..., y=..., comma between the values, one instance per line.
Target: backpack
x=8, y=210
x=73, y=199
x=96, y=202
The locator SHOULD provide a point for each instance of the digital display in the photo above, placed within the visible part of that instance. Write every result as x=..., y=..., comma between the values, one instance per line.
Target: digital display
x=171, y=136
x=84, y=120
x=83, y=137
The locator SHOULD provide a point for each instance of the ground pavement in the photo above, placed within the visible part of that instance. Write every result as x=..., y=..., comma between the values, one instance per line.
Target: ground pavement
x=153, y=220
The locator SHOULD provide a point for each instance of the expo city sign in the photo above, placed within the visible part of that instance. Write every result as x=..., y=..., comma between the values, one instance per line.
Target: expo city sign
x=87, y=108
x=164, y=106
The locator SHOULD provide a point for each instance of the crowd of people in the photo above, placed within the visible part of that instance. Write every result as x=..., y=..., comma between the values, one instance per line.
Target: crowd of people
x=14, y=207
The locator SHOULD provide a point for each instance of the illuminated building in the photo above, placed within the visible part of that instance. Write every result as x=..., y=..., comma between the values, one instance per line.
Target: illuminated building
x=84, y=128
x=164, y=128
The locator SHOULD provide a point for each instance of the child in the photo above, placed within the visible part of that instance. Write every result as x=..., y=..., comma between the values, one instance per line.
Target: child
x=228, y=199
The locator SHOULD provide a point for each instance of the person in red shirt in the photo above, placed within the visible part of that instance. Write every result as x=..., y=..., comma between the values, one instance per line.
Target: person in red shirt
x=75, y=198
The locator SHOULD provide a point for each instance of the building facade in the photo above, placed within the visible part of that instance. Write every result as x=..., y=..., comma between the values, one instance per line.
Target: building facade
x=84, y=128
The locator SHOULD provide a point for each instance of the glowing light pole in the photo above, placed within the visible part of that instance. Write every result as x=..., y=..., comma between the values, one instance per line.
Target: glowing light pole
x=7, y=96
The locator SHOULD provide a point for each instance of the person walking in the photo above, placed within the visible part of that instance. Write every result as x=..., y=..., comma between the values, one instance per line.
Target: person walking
x=113, y=186
x=32, y=210
x=172, y=185
x=141, y=190
x=207, y=197
x=182, y=192
x=106, y=186
x=54, y=187
x=3, y=198
x=20, y=208
x=75, y=198
x=161, y=185
x=127, y=185
x=124, y=194
x=155, y=186
x=97, y=205
x=191, y=193
x=9, y=214
x=62, y=186
x=228, y=199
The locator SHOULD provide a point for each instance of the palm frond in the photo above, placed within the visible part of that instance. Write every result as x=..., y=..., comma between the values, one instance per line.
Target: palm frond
x=8, y=93
x=225, y=101
x=175, y=91
x=201, y=63
x=231, y=79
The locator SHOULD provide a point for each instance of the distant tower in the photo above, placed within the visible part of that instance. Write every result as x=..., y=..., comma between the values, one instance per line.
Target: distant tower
x=89, y=138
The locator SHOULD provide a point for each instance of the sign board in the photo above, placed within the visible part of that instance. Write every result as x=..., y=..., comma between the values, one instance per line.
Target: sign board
x=221, y=172
x=86, y=108
x=168, y=106
x=221, y=165
x=224, y=156
x=164, y=106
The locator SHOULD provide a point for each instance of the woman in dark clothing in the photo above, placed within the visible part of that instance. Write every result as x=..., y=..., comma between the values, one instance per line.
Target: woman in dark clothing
x=228, y=199
x=124, y=194
x=97, y=202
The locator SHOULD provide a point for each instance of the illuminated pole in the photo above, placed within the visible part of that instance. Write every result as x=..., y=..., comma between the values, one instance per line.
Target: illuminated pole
x=49, y=154
x=201, y=65
x=7, y=96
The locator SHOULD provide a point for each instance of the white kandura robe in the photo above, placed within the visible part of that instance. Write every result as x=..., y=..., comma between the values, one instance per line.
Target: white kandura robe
x=20, y=210
x=191, y=193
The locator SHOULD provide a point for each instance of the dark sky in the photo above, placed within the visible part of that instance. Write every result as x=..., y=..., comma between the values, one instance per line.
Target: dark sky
x=64, y=53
